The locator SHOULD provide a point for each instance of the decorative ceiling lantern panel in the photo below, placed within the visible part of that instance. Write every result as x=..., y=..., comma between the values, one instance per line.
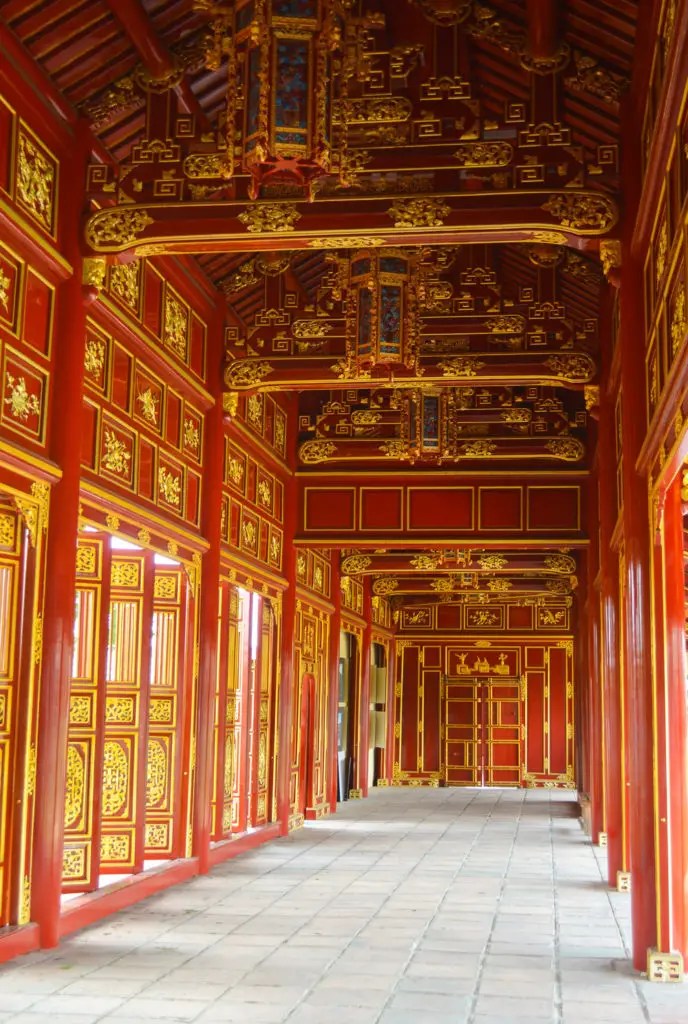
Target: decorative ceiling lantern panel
x=283, y=56
x=383, y=321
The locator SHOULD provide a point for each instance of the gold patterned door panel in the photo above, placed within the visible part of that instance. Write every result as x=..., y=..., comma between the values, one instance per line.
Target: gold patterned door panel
x=225, y=709
x=81, y=858
x=10, y=660
x=263, y=716
x=462, y=763
x=126, y=727
x=502, y=733
x=238, y=686
x=164, y=832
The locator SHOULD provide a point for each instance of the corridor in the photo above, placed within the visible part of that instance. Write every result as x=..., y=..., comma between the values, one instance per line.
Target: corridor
x=415, y=906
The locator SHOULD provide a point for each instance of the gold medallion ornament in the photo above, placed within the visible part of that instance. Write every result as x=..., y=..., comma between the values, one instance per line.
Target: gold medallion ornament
x=270, y=217
x=419, y=213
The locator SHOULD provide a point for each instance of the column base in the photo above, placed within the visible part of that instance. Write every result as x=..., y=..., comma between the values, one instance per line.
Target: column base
x=664, y=967
x=623, y=881
x=602, y=839
x=355, y=794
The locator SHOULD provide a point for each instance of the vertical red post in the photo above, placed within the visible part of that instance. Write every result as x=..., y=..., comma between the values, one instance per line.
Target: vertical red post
x=286, y=677
x=637, y=606
x=335, y=630
x=611, y=676
x=211, y=522
x=364, y=696
x=673, y=768
x=594, y=754
x=58, y=621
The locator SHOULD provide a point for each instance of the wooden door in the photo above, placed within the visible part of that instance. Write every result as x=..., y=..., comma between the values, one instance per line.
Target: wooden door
x=482, y=733
x=462, y=755
x=501, y=733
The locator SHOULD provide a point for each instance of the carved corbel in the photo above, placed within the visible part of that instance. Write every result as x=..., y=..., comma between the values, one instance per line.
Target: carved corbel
x=610, y=256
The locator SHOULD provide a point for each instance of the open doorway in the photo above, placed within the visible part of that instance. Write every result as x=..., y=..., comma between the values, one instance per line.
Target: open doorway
x=348, y=653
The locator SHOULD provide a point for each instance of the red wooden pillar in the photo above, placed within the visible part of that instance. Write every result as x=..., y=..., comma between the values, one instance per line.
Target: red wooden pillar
x=611, y=676
x=637, y=610
x=363, y=709
x=594, y=754
x=58, y=621
x=211, y=520
x=672, y=759
x=331, y=745
x=390, y=707
x=285, y=681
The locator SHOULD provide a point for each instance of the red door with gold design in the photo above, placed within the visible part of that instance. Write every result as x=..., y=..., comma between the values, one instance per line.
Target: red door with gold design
x=482, y=732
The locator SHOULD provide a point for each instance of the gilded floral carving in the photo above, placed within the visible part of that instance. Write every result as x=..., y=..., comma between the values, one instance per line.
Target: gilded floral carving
x=109, y=229
x=116, y=457
x=176, y=326
x=270, y=217
x=125, y=283
x=461, y=367
x=311, y=452
x=35, y=180
x=245, y=373
x=419, y=213
x=94, y=358
x=148, y=403
x=169, y=487
x=21, y=402
x=568, y=448
x=592, y=213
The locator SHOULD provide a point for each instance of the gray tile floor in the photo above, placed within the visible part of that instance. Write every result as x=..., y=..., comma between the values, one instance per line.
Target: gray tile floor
x=416, y=905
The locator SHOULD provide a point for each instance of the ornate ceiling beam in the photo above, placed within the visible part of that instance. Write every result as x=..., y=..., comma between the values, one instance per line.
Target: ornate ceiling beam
x=178, y=226
x=568, y=369
x=473, y=583
x=559, y=449
x=458, y=560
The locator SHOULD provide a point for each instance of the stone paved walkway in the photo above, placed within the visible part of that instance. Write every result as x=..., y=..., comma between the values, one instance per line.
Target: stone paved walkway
x=412, y=907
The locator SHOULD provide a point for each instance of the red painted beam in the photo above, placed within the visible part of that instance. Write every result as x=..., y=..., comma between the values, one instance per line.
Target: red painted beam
x=153, y=52
x=543, y=28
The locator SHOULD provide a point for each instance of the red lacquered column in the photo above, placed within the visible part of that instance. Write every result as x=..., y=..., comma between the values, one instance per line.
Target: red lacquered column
x=637, y=650
x=364, y=696
x=331, y=747
x=673, y=769
x=58, y=621
x=211, y=519
x=286, y=677
x=609, y=616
